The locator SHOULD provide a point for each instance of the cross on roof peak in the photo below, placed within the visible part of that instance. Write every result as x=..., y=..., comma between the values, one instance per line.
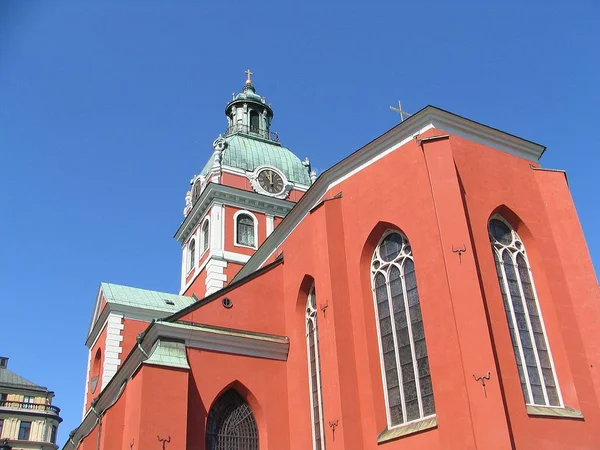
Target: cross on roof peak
x=249, y=75
x=400, y=111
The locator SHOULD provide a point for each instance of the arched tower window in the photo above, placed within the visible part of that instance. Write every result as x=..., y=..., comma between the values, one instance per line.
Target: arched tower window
x=192, y=254
x=525, y=323
x=314, y=372
x=231, y=425
x=254, y=121
x=205, y=234
x=245, y=230
x=404, y=363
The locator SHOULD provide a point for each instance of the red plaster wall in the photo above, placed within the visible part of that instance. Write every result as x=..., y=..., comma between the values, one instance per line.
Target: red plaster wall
x=260, y=381
x=130, y=332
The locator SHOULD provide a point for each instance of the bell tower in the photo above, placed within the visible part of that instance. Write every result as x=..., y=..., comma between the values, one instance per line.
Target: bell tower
x=244, y=190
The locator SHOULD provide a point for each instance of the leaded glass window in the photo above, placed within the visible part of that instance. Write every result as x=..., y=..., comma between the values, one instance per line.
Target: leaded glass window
x=231, y=425
x=314, y=372
x=245, y=230
x=404, y=363
x=205, y=235
x=524, y=317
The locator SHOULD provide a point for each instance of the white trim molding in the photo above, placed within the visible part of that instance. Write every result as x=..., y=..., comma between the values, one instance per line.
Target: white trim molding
x=215, y=275
x=112, y=347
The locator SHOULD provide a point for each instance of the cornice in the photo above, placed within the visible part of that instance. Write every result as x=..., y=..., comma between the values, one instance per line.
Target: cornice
x=427, y=118
x=230, y=196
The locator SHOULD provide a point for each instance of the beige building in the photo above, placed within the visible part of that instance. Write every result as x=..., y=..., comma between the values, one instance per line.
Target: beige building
x=27, y=418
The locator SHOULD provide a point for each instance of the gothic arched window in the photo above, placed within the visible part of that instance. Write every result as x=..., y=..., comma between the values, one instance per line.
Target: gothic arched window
x=192, y=254
x=314, y=372
x=525, y=323
x=245, y=230
x=404, y=363
x=231, y=425
x=205, y=234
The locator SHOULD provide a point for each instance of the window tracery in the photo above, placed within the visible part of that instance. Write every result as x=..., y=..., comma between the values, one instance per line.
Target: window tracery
x=404, y=362
x=314, y=372
x=524, y=317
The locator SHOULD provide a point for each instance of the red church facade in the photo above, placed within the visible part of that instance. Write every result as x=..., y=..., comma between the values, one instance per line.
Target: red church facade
x=432, y=290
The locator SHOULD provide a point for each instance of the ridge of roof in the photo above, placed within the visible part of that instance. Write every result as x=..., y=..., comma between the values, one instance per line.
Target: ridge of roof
x=426, y=118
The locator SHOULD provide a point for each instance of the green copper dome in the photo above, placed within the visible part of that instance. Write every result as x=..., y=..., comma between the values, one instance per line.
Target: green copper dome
x=246, y=152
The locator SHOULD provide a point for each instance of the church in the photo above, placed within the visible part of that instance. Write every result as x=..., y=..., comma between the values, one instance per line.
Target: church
x=432, y=290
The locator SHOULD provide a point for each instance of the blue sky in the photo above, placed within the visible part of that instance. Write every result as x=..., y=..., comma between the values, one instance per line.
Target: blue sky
x=107, y=109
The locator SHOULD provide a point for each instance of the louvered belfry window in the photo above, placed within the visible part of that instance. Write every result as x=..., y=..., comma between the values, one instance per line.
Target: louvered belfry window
x=314, y=372
x=404, y=363
x=524, y=317
x=205, y=235
x=231, y=425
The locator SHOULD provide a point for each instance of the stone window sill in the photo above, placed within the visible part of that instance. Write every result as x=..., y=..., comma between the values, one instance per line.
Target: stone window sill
x=554, y=411
x=404, y=430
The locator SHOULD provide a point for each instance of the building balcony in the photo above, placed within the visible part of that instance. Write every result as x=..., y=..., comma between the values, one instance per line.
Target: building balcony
x=252, y=131
x=33, y=407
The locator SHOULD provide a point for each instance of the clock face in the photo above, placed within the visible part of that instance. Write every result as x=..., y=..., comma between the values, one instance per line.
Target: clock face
x=270, y=181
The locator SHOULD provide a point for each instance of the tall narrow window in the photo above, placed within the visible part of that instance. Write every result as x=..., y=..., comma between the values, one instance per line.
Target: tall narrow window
x=254, y=126
x=231, y=425
x=314, y=372
x=406, y=379
x=525, y=323
x=53, y=429
x=245, y=230
x=192, y=254
x=24, y=430
x=205, y=235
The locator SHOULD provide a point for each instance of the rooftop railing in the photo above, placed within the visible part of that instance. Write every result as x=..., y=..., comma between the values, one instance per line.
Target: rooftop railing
x=30, y=406
x=239, y=128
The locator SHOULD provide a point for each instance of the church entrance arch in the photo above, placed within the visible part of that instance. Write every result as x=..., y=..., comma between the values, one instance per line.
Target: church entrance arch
x=231, y=424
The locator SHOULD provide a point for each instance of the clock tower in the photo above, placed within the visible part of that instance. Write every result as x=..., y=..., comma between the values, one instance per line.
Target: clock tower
x=249, y=183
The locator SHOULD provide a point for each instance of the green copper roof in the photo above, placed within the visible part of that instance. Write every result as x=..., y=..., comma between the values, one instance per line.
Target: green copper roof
x=169, y=353
x=247, y=153
x=142, y=298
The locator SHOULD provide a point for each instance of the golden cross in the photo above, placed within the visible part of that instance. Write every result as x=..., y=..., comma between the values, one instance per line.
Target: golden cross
x=248, y=80
x=400, y=111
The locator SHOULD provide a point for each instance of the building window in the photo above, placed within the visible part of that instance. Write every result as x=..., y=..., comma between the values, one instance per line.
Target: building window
x=205, y=234
x=28, y=401
x=254, y=122
x=525, y=323
x=245, y=230
x=3, y=398
x=1, y=426
x=231, y=424
x=314, y=372
x=192, y=254
x=53, y=429
x=24, y=430
x=404, y=363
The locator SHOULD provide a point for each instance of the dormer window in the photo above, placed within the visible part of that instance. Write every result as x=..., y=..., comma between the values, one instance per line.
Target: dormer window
x=254, y=122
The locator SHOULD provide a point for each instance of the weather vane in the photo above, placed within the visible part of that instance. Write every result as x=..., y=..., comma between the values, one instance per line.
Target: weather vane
x=400, y=111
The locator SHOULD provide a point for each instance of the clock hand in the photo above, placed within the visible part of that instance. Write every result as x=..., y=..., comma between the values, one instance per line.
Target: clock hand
x=270, y=176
